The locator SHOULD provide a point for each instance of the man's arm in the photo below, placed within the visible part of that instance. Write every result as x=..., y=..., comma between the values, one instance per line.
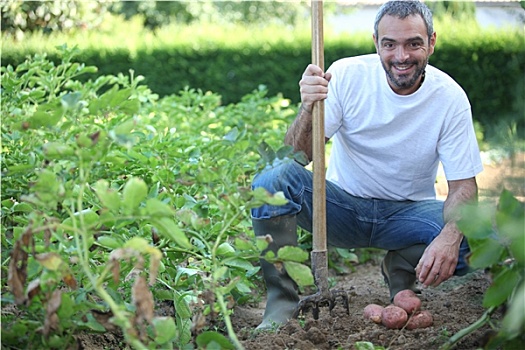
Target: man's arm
x=440, y=259
x=313, y=87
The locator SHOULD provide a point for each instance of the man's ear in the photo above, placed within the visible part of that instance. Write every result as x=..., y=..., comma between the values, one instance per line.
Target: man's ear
x=375, y=43
x=432, y=43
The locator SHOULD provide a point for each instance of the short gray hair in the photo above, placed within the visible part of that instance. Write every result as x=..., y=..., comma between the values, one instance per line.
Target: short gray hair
x=403, y=9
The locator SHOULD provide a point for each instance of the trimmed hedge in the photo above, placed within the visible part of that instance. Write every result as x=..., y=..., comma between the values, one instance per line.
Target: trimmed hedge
x=489, y=66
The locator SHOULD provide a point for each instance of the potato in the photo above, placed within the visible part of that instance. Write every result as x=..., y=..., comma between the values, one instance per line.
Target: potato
x=393, y=317
x=373, y=312
x=407, y=300
x=421, y=319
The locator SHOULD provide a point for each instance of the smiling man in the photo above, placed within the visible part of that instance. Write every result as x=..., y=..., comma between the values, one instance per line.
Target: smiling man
x=392, y=118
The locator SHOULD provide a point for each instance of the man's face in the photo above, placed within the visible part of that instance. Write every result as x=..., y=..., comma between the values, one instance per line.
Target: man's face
x=404, y=49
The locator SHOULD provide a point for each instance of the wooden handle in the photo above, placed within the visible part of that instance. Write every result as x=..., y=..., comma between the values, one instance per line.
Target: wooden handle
x=318, y=145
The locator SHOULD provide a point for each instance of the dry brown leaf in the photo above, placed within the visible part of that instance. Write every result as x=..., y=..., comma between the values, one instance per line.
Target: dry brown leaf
x=70, y=280
x=17, y=273
x=51, y=321
x=33, y=289
x=142, y=299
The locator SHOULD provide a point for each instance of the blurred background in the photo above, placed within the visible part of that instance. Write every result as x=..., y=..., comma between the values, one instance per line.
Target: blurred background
x=235, y=47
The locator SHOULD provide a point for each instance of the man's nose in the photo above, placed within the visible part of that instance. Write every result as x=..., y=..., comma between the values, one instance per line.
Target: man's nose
x=401, y=54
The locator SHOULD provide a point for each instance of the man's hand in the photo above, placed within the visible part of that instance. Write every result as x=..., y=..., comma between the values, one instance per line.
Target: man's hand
x=439, y=260
x=313, y=86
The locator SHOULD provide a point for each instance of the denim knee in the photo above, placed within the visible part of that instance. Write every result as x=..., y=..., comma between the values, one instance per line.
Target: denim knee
x=288, y=177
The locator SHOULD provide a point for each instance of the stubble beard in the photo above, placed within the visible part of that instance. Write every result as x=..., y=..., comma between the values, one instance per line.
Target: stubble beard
x=404, y=81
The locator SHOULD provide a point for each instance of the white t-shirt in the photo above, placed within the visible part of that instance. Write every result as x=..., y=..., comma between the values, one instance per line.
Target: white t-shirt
x=388, y=146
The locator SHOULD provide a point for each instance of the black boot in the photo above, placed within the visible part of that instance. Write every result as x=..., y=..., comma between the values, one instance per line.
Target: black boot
x=398, y=268
x=282, y=290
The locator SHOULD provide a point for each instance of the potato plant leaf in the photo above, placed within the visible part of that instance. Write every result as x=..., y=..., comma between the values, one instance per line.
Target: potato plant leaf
x=212, y=340
x=301, y=274
x=134, y=192
x=169, y=229
x=165, y=330
x=291, y=253
x=514, y=319
x=107, y=196
x=486, y=254
x=501, y=288
x=481, y=226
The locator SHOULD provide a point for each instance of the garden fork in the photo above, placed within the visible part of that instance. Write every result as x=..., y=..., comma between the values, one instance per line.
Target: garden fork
x=319, y=257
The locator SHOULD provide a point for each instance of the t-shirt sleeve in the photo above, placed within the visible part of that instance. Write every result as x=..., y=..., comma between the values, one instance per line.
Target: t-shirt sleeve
x=458, y=148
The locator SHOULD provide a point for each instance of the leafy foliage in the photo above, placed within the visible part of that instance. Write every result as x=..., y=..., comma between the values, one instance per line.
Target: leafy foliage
x=114, y=200
x=498, y=245
x=160, y=13
x=19, y=17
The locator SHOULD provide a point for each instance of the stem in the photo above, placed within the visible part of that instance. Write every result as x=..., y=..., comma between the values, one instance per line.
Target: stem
x=227, y=320
x=121, y=317
x=470, y=329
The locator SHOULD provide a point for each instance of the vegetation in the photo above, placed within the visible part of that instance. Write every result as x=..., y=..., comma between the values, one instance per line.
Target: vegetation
x=114, y=199
x=119, y=194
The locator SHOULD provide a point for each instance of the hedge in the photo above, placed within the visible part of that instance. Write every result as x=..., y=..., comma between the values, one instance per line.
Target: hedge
x=490, y=66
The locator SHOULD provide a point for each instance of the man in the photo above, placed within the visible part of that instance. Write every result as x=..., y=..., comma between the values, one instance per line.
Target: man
x=392, y=118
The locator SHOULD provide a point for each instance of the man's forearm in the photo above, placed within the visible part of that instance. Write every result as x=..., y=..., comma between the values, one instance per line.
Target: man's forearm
x=460, y=192
x=299, y=134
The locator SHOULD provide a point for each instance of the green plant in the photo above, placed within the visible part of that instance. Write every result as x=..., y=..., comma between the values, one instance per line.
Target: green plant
x=114, y=200
x=498, y=244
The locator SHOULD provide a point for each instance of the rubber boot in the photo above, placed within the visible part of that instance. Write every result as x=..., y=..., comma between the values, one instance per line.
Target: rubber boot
x=282, y=297
x=398, y=268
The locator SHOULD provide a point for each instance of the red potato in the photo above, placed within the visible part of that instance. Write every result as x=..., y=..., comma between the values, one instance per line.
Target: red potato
x=421, y=319
x=373, y=312
x=407, y=300
x=394, y=317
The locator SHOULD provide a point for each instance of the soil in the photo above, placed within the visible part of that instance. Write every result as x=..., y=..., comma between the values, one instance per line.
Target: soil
x=454, y=305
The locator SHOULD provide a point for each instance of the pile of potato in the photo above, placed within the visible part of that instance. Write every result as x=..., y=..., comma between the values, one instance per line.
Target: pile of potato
x=405, y=312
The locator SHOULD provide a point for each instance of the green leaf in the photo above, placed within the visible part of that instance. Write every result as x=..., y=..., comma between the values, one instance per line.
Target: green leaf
x=225, y=249
x=261, y=242
x=169, y=229
x=514, y=319
x=501, y=288
x=46, y=115
x=476, y=222
x=240, y=263
x=266, y=152
x=486, y=254
x=284, y=152
x=134, y=192
x=165, y=330
x=107, y=196
x=109, y=242
x=232, y=135
x=155, y=207
x=182, y=308
x=290, y=253
x=57, y=150
x=71, y=100
x=137, y=243
x=301, y=274
x=220, y=272
x=205, y=339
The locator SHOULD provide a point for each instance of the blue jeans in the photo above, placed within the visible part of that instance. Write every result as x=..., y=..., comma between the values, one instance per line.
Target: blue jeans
x=354, y=222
